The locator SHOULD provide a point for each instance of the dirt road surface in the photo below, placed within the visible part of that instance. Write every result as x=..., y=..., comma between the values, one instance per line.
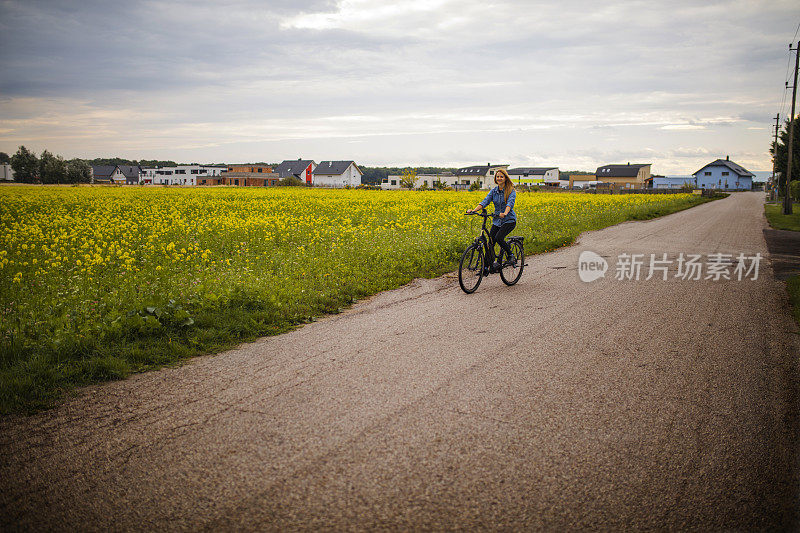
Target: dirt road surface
x=554, y=405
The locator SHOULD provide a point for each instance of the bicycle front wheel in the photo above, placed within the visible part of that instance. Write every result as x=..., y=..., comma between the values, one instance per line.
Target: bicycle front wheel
x=470, y=269
x=511, y=271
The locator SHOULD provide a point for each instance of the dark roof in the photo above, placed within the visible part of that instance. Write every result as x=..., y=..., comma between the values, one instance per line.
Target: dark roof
x=619, y=171
x=292, y=167
x=129, y=171
x=477, y=170
x=740, y=170
x=103, y=171
x=536, y=171
x=334, y=167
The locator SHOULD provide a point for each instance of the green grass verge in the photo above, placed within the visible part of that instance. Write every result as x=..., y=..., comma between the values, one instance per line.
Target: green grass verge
x=156, y=301
x=776, y=218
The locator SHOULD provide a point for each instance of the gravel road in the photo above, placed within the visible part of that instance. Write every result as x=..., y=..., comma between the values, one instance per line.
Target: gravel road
x=552, y=405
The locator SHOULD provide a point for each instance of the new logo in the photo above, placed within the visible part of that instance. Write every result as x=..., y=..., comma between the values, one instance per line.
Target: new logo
x=591, y=266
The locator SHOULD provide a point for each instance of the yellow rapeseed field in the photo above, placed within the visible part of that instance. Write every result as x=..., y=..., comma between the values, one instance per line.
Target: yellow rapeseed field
x=96, y=282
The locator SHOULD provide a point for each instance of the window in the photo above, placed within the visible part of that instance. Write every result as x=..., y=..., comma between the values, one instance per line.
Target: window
x=725, y=173
x=180, y=171
x=236, y=182
x=706, y=173
x=260, y=169
x=394, y=182
x=195, y=171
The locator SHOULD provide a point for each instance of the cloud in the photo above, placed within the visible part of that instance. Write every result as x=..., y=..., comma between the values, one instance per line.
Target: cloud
x=683, y=127
x=404, y=79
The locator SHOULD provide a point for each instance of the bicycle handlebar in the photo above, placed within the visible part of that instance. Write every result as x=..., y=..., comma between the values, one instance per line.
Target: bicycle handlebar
x=484, y=214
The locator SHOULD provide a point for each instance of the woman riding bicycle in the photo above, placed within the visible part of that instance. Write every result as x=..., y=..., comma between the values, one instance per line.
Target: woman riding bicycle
x=503, y=197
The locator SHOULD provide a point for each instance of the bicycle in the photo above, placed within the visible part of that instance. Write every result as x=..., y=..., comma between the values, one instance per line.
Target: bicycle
x=472, y=264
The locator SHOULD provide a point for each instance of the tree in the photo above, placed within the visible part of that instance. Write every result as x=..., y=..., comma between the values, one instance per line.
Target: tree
x=291, y=181
x=4, y=158
x=25, y=165
x=780, y=153
x=78, y=171
x=52, y=168
x=407, y=178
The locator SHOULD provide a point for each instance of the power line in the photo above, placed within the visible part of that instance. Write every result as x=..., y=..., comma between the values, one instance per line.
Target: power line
x=781, y=109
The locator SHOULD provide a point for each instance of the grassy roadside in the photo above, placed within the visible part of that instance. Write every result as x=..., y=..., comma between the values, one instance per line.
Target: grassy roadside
x=73, y=324
x=776, y=219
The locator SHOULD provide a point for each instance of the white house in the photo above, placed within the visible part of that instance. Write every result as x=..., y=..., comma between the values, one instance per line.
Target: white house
x=448, y=178
x=534, y=175
x=673, y=182
x=337, y=174
x=180, y=175
x=483, y=174
x=391, y=182
x=6, y=172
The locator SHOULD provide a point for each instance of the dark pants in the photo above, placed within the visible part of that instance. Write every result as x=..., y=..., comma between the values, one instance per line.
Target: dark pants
x=498, y=235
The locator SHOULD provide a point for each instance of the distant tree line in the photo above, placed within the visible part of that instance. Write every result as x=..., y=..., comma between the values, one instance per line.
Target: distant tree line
x=99, y=161
x=47, y=168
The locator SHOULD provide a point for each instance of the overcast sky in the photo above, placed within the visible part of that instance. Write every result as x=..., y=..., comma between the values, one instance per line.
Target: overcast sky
x=573, y=84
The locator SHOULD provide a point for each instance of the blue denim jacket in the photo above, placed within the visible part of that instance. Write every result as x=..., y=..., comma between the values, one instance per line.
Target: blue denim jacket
x=498, y=198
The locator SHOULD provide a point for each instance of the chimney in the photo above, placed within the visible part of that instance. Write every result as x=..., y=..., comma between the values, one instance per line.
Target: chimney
x=629, y=162
x=727, y=158
x=488, y=164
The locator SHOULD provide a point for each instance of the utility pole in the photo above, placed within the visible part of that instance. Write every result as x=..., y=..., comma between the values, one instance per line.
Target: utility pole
x=774, y=190
x=787, y=200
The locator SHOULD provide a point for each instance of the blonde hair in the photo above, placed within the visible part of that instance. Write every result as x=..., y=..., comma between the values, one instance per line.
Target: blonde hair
x=508, y=186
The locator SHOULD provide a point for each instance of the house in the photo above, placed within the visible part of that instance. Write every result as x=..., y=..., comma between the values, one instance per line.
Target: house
x=301, y=169
x=447, y=178
x=131, y=175
x=483, y=174
x=250, y=176
x=534, y=175
x=6, y=172
x=391, y=182
x=102, y=173
x=117, y=174
x=337, y=174
x=672, y=182
x=634, y=176
x=183, y=175
x=580, y=180
x=724, y=174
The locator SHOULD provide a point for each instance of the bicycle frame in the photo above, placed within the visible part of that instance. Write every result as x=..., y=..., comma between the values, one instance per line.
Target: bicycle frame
x=484, y=239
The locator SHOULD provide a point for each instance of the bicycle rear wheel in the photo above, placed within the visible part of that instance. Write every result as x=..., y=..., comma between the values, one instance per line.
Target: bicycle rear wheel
x=470, y=269
x=512, y=271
